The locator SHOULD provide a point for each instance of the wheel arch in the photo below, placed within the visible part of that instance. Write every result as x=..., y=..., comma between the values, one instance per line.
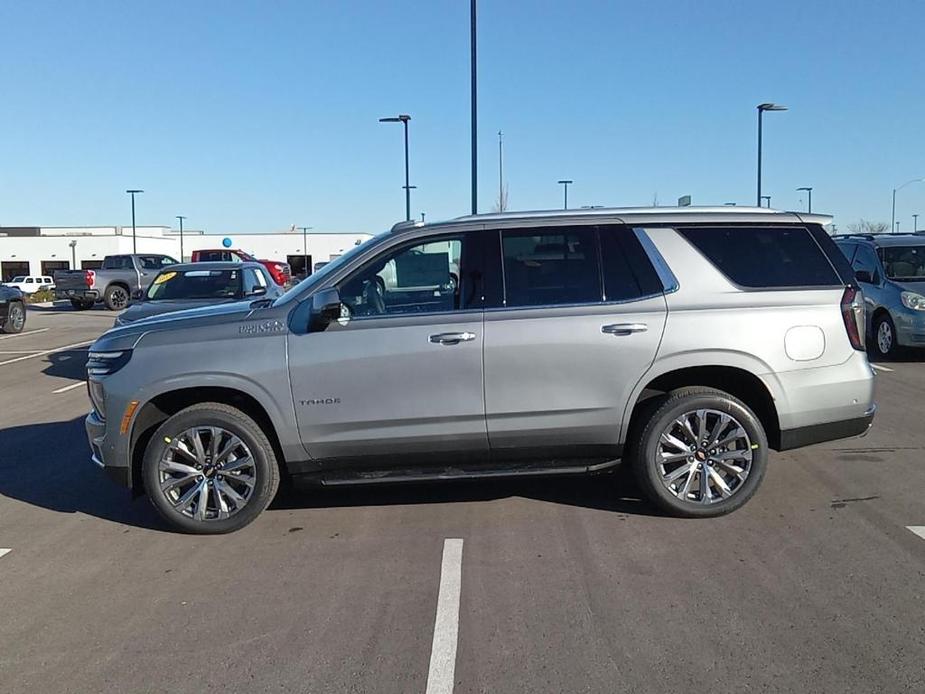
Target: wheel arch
x=164, y=405
x=735, y=380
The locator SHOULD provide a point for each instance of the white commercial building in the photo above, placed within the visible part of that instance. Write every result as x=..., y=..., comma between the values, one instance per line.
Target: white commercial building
x=42, y=250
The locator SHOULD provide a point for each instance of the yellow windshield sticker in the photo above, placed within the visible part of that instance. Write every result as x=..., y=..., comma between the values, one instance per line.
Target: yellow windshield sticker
x=164, y=277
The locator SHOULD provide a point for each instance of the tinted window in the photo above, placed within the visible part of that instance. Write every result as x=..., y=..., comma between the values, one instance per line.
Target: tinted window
x=213, y=256
x=765, y=256
x=252, y=279
x=117, y=262
x=155, y=262
x=865, y=260
x=423, y=278
x=847, y=249
x=904, y=262
x=545, y=267
x=628, y=273
x=196, y=284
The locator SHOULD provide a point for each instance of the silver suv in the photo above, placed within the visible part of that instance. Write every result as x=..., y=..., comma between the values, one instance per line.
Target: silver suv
x=688, y=342
x=891, y=271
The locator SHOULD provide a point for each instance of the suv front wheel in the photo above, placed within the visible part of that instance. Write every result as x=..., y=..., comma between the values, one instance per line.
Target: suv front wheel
x=701, y=453
x=210, y=469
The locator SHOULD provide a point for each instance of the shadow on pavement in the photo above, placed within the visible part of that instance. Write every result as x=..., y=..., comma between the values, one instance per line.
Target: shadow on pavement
x=71, y=364
x=48, y=465
x=615, y=491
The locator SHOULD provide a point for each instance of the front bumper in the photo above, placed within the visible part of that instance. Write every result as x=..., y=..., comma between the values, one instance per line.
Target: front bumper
x=910, y=328
x=102, y=454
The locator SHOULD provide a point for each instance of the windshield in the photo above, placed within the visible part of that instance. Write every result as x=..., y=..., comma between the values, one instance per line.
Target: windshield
x=904, y=262
x=19, y=278
x=196, y=284
x=331, y=267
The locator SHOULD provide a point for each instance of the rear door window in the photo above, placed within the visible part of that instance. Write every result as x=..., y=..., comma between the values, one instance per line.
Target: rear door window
x=765, y=257
x=551, y=266
x=628, y=273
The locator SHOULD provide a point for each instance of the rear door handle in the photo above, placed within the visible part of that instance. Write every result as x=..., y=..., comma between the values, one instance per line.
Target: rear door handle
x=624, y=328
x=452, y=338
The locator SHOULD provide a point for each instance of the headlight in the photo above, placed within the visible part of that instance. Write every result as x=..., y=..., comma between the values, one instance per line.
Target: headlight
x=95, y=391
x=106, y=363
x=913, y=300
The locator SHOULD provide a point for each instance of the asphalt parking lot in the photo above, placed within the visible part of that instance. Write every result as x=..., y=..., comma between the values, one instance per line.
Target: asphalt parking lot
x=564, y=585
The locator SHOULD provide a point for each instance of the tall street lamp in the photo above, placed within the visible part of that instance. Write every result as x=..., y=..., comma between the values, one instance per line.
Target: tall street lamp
x=132, y=193
x=305, y=248
x=181, y=218
x=893, y=215
x=403, y=119
x=897, y=227
x=809, y=192
x=473, y=97
x=73, y=245
x=565, y=184
x=767, y=199
x=915, y=223
x=761, y=109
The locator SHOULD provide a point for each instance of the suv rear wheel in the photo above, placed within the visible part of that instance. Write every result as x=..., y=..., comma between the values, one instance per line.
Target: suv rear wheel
x=210, y=469
x=701, y=453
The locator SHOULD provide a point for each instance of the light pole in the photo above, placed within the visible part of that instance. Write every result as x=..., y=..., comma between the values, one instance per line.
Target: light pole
x=809, y=192
x=565, y=184
x=422, y=217
x=767, y=199
x=893, y=215
x=915, y=223
x=305, y=248
x=474, y=116
x=897, y=227
x=73, y=245
x=761, y=109
x=132, y=193
x=501, y=205
x=403, y=119
x=181, y=218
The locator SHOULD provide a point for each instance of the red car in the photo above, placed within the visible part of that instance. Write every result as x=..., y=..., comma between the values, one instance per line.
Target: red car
x=280, y=272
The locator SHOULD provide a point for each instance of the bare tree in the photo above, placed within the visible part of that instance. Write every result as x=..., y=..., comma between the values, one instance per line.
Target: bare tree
x=501, y=202
x=865, y=226
x=655, y=199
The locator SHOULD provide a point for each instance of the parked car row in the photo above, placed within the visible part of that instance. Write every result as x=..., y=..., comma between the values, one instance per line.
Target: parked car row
x=498, y=345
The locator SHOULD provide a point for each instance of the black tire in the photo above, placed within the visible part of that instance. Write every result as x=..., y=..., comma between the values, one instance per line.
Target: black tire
x=233, y=421
x=116, y=297
x=644, y=450
x=884, y=345
x=78, y=305
x=16, y=318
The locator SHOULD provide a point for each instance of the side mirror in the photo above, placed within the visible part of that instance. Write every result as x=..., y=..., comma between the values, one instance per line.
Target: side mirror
x=138, y=295
x=325, y=308
x=258, y=290
x=865, y=276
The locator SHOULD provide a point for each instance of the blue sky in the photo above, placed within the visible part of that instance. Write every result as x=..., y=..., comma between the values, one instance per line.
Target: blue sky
x=251, y=116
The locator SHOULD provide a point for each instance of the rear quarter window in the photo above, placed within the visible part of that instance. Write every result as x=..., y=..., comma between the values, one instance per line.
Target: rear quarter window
x=765, y=257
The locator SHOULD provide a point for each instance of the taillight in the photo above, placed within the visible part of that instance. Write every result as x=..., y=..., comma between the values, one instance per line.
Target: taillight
x=89, y=277
x=852, y=313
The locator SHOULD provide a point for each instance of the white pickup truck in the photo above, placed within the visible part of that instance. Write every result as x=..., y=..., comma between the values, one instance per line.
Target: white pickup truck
x=114, y=283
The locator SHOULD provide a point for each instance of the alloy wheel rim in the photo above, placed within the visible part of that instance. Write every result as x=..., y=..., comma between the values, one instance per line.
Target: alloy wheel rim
x=119, y=298
x=17, y=317
x=704, y=456
x=884, y=337
x=207, y=473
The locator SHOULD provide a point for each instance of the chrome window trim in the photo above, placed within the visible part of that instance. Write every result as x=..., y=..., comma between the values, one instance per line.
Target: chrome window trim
x=665, y=275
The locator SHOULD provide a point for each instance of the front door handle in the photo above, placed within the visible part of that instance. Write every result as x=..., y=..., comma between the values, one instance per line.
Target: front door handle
x=624, y=328
x=452, y=338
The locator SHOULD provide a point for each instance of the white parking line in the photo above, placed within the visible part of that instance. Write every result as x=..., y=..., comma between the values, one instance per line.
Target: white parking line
x=4, y=552
x=917, y=529
x=70, y=387
x=47, y=351
x=446, y=626
x=880, y=368
x=23, y=334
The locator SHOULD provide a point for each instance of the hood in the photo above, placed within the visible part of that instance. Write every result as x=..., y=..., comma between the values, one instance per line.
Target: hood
x=126, y=335
x=147, y=309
